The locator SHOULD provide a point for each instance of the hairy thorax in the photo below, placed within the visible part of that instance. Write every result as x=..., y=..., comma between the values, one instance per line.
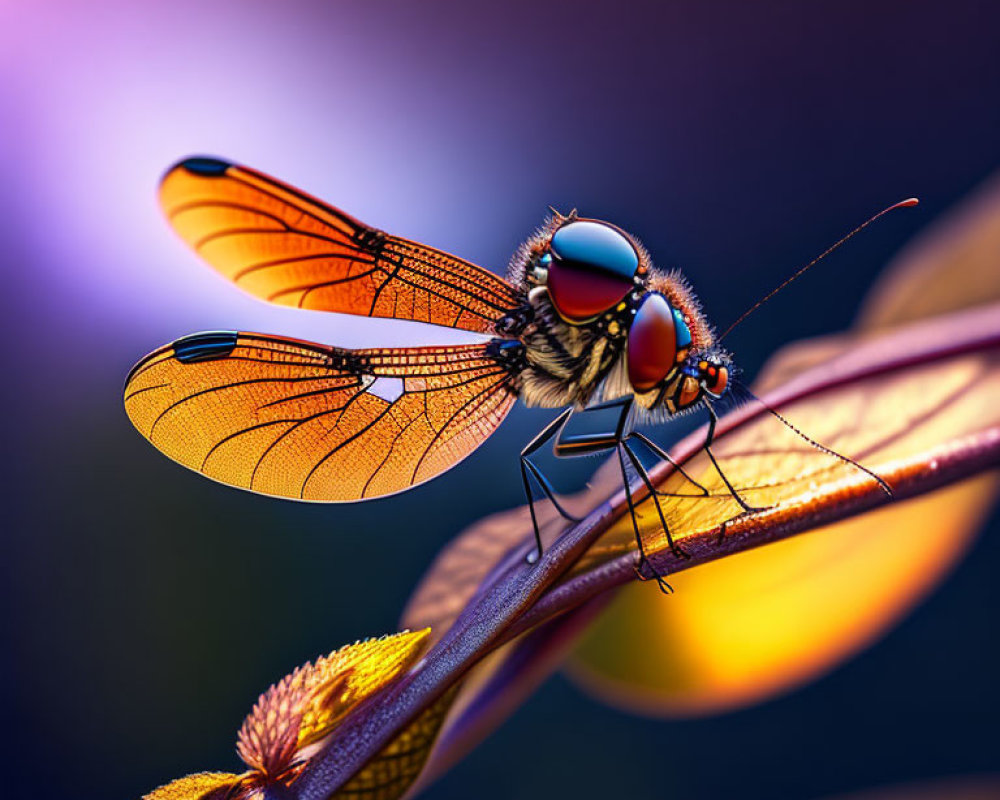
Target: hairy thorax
x=566, y=364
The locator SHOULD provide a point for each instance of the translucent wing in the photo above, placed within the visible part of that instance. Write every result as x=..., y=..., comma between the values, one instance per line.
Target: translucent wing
x=287, y=247
x=295, y=419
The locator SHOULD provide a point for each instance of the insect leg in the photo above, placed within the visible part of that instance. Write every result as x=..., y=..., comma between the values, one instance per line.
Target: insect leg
x=661, y=453
x=549, y=491
x=585, y=444
x=597, y=442
x=639, y=468
x=712, y=420
x=665, y=587
x=572, y=446
x=550, y=430
x=588, y=443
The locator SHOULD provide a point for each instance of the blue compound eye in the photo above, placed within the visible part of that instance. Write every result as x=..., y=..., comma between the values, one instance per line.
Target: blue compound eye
x=594, y=245
x=592, y=269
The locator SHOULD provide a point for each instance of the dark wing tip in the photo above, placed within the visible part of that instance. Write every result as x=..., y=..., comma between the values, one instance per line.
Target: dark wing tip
x=207, y=346
x=204, y=346
x=206, y=166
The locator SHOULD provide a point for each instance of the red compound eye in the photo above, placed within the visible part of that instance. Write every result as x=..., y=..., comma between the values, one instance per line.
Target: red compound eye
x=592, y=269
x=652, y=343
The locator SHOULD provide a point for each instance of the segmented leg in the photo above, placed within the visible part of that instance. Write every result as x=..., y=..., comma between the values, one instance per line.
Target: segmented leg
x=664, y=587
x=661, y=453
x=619, y=441
x=747, y=508
x=566, y=447
x=644, y=476
x=713, y=419
x=550, y=430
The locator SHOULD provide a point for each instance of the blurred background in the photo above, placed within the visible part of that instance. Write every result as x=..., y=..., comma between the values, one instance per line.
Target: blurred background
x=144, y=607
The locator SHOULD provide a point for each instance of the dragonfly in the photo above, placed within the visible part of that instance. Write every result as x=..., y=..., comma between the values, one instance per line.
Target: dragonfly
x=584, y=321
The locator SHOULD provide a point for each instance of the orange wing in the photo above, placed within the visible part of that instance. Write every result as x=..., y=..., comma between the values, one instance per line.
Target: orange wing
x=287, y=247
x=296, y=419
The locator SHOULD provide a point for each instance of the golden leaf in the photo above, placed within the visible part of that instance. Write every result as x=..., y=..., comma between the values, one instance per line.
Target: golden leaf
x=306, y=705
x=368, y=666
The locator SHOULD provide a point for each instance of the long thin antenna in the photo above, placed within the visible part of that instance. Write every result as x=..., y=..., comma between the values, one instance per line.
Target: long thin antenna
x=883, y=485
x=908, y=203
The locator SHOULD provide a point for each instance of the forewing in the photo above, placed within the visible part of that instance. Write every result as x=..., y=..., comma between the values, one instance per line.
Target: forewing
x=295, y=419
x=287, y=247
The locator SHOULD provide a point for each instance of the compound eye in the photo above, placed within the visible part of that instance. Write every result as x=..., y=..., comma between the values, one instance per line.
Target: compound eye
x=592, y=269
x=652, y=343
x=716, y=380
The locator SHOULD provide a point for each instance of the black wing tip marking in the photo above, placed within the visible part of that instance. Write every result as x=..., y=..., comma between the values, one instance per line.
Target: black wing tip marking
x=206, y=346
x=205, y=166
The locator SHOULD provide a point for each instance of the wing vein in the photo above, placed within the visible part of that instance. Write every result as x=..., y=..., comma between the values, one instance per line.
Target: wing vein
x=236, y=384
x=430, y=446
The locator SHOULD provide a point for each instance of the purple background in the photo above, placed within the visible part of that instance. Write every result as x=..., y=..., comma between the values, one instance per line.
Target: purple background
x=144, y=607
